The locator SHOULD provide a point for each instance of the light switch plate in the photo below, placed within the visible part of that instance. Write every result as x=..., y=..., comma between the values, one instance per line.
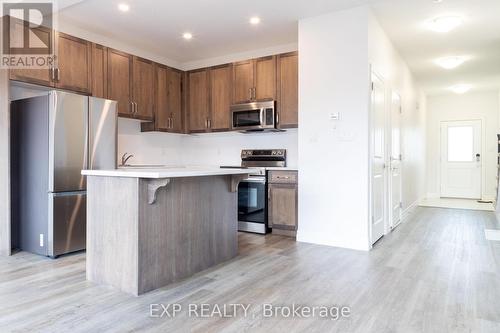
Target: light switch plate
x=334, y=116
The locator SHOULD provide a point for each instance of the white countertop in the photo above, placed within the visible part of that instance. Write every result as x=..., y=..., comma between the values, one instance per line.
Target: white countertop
x=166, y=172
x=282, y=168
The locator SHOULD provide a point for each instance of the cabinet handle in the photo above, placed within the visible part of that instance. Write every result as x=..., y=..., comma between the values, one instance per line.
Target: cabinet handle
x=254, y=94
x=209, y=123
x=52, y=74
x=131, y=107
x=136, y=108
x=58, y=74
x=250, y=93
x=169, y=123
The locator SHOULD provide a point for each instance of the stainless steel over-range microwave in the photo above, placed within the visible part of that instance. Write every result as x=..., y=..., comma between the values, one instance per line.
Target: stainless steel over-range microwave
x=256, y=116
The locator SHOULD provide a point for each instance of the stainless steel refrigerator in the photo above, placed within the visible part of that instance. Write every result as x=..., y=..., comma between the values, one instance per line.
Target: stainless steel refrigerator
x=54, y=137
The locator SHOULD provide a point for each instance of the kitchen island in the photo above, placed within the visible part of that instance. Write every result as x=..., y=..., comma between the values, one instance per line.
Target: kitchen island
x=147, y=228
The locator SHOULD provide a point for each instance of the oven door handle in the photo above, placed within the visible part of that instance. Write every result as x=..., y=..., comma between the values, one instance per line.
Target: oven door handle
x=261, y=180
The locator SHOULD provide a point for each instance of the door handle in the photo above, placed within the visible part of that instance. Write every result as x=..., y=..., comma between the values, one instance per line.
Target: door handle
x=478, y=157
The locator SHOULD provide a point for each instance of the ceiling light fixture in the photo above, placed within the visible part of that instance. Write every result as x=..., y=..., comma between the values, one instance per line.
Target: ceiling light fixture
x=123, y=7
x=255, y=20
x=460, y=88
x=444, y=23
x=187, y=35
x=450, y=62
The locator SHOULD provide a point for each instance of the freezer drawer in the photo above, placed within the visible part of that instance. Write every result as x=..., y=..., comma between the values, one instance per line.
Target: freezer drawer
x=68, y=141
x=69, y=216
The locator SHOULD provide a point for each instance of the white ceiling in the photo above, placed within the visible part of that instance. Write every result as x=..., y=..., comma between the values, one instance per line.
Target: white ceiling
x=478, y=37
x=221, y=27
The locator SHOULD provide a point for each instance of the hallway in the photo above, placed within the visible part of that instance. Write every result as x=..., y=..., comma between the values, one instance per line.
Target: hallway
x=434, y=273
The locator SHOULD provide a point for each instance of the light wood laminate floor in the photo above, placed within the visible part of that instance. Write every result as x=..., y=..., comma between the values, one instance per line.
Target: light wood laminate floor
x=434, y=273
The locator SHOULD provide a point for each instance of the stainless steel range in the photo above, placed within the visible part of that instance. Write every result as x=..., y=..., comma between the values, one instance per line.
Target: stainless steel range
x=252, y=192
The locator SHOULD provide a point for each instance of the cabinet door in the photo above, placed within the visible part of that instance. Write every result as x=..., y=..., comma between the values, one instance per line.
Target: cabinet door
x=73, y=63
x=243, y=81
x=288, y=90
x=174, y=100
x=119, y=81
x=99, y=71
x=162, y=117
x=143, y=88
x=220, y=97
x=36, y=76
x=282, y=211
x=198, y=101
x=265, y=79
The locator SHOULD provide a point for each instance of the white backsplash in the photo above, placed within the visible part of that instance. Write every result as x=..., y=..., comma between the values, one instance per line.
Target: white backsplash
x=200, y=149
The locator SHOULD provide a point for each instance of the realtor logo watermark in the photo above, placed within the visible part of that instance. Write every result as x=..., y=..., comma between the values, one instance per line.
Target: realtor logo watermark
x=234, y=310
x=27, y=34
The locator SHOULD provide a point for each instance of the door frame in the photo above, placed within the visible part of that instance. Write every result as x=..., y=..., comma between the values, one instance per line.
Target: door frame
x=392, y=226
x=440, y=152
x=373, y=74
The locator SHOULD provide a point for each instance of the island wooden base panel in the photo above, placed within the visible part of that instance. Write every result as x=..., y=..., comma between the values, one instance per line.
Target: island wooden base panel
x=138, y=247
x=434, y=273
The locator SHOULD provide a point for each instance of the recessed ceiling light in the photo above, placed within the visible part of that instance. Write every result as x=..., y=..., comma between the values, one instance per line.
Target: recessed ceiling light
x=437, y=1
x=450, y=62
x=123, y=7
x=255, y=20
x=444, y=23
x=187, y=35
x=460, y=88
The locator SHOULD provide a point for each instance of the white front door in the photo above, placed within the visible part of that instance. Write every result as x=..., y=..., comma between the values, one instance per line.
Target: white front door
x=378, y=159
x=461, y=159
x=395, y=177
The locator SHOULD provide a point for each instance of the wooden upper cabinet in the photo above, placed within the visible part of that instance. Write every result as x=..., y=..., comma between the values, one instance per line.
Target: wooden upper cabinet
x=174, y=100
x=243, y=81
x=120, y=81
x=265, y=79
x=99, y=71
x=198, y=101
x=73, y=69
x=42, y=77
x=254, y=80
x=169, y=100
x=220, y=97
x=162, y=115
x=288, y=90
x=143, y=88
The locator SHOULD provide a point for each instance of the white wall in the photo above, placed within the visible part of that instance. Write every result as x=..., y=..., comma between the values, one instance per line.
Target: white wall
x=473, y=105
x=387, y=63
x=202, y=149
x=333, y=158
x=336, y=52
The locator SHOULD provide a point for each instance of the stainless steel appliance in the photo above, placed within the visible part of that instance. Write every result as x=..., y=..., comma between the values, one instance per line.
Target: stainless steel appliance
x=252, y=192
x=54, y=137
x=257, y=116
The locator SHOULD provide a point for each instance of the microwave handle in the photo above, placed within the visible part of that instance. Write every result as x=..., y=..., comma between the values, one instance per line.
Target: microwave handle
x=262, y=116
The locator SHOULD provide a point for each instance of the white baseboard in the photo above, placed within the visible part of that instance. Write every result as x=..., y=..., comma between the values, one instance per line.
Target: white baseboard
x=409, y=210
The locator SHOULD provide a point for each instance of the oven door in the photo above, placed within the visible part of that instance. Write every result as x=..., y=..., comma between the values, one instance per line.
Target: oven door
x=252, y=205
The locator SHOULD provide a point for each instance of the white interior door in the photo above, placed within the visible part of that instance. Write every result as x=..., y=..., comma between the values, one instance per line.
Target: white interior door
x=395, y=156
x=461, y=159
x=378, y=159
